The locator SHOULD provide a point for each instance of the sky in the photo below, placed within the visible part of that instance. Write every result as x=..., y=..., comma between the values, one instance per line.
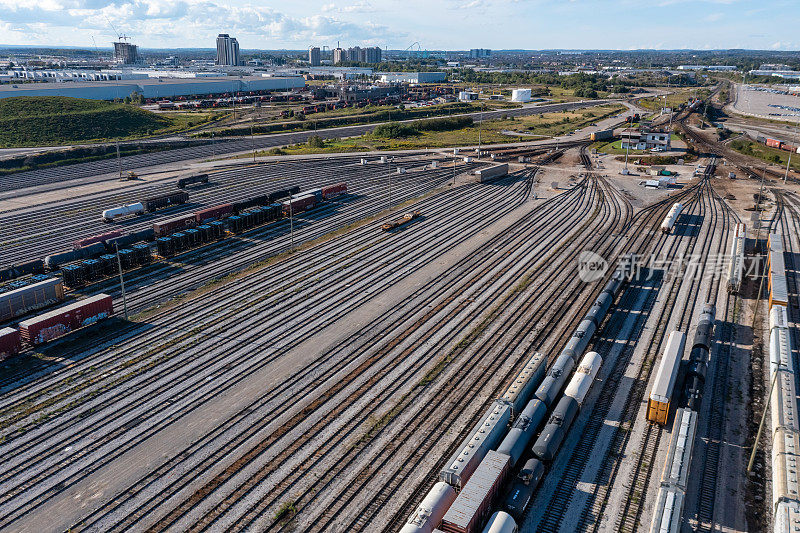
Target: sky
x=398, y=24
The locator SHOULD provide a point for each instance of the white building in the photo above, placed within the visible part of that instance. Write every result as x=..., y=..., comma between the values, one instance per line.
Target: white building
x=521, y=95
x=467, y=96
x=645, y=139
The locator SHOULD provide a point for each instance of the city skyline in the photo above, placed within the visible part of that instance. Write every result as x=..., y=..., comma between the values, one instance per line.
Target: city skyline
x=449, y=25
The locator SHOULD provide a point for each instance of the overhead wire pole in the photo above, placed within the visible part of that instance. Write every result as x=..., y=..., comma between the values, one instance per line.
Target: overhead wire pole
x=789, y=162
x=122, y=283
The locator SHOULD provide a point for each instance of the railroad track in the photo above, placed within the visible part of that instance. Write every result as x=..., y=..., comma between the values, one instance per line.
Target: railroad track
x=210, y=340
x=312, y=432
x=590, y=513
x=30, y=235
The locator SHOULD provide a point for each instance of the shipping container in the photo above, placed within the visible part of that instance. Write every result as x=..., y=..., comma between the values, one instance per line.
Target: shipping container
x=20, y=301
x=10, y=343
x=166, y=227
x=474, y=503
x=61, y=321
x=214, y=213
x=666, y=376
x=103, y=237
x=165, y=200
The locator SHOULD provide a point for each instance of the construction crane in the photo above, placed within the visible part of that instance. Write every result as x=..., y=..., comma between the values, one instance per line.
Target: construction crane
x=120, y=36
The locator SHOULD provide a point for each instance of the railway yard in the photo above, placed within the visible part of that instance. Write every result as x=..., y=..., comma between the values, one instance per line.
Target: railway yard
x=387, y=343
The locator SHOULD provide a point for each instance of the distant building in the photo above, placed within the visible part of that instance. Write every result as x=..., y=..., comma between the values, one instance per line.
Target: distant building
x=467, y=96
x=788, y=74
x=126, y=53
x=479, y=52
x=413, y=77
x=357, y=55
x=717, y=68
x=227, y=50
x=314, y=56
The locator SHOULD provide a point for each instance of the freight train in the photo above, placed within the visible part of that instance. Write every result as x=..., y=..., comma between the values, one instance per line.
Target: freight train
x=54, y=324
x=95, y=257
x=674, y=478
x=479, y=470
x=146, y=205
x=783, y=399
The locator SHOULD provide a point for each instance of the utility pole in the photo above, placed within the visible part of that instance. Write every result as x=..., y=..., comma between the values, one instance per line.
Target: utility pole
x=761, y=424
x=455, y=160
x=122, y=283
x=119, y=162
x=789, y=162
x=291, y=226
x=252, y=137
x=480, y=123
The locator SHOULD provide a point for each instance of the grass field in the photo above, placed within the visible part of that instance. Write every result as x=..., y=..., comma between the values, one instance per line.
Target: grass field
x=765, y=153
x=674, y=100
x=546, y=125
x=57, y=120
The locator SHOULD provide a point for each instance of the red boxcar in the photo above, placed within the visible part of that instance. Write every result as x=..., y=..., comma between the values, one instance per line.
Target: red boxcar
x=97, y=238
x=332, y=191
x=788, y=147
x=773, y=143
x=10, y=342
x=63, y=320
x=214, y=213
x=299, y=205
x=164, y=228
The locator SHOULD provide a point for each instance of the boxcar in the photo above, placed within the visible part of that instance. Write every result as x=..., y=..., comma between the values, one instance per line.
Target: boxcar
x=103, y=237
x=332, y=191
x=214, y=213
x=10, y=343
x=165, y=227
x=165, y=200
x=299, y=205
x=667, y=374
x=26, y=299
x=61, y=321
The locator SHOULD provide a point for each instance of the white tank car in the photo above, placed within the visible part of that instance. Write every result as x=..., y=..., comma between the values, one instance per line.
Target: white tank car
x=671, y=218
x=501, y=522
x=431, y=509
x=132, y=209
x=550, y=439
x=584, y=377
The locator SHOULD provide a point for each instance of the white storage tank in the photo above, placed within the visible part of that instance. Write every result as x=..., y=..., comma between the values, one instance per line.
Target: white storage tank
x=521, y=95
